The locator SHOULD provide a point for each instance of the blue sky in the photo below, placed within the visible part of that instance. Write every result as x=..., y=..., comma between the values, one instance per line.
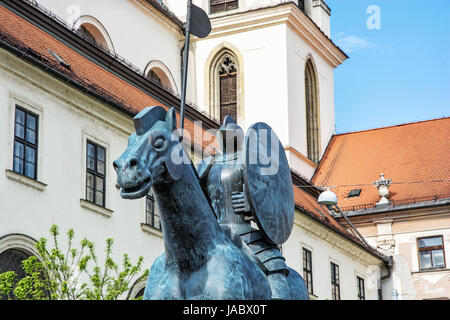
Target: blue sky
x=396, y=74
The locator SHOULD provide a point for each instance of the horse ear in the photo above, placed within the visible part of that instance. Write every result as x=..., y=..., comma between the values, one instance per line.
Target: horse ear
x=171, y=119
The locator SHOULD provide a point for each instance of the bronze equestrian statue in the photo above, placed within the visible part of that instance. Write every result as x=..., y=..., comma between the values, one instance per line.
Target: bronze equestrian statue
x=212, y=251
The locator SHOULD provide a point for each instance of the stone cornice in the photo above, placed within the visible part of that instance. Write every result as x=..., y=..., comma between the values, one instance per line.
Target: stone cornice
x=428, y=211
x=286, y=13
x=166, y=18
x=300, y=156
x=308, y=30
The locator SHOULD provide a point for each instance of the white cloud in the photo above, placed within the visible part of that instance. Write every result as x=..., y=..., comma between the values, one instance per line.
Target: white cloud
x=353, y=43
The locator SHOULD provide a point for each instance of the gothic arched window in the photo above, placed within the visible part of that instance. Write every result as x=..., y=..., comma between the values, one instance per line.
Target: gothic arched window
x=312, y=113
x=225, y=84
x=228, y=87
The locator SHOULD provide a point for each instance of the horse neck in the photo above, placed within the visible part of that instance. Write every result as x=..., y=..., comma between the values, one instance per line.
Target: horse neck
x=189, y=226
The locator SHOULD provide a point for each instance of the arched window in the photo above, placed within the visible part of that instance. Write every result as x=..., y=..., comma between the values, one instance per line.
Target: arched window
x=137, y=289
x=228, y=87
x=158, y=73
x=11, y=260
x=93, y=34
x=224, y=84
x=312, y=112
x=92, y=30
x=158, y=76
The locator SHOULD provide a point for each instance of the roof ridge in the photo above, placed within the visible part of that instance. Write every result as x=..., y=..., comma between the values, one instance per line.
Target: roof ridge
x=391, y=126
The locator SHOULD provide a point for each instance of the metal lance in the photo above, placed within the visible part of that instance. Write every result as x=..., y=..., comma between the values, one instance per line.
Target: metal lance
x=197, y=23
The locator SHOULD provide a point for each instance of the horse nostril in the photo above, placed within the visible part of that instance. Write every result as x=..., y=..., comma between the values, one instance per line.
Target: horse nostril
x=133, y=163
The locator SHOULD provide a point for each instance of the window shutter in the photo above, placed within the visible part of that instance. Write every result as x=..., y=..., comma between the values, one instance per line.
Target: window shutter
x=228, y=96
x=223, y=5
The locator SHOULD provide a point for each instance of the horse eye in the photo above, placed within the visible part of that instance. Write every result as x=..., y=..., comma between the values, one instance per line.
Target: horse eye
x=158, y=143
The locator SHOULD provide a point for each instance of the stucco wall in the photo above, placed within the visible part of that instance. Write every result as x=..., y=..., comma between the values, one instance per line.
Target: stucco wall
x=327, y=247
x=298, y=52
x=263, y=67
x=399, y=238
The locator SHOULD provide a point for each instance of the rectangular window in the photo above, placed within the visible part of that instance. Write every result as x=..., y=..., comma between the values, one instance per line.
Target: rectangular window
x=431, y=252
x=95, y=173
x=307, y=270
x=335, y=286
x=216, y=6
x=25, y=143
x=361, y=289
x=301, y=4
x=151, y=218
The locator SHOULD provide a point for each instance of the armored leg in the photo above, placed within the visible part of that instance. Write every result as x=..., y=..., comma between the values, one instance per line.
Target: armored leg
x=279, y=286
x=274, y=262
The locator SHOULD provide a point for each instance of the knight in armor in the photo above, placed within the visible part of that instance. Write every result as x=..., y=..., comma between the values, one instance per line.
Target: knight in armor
x=222, y=178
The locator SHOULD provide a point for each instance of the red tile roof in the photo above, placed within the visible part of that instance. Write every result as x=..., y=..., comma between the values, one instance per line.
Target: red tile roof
x=416, y=156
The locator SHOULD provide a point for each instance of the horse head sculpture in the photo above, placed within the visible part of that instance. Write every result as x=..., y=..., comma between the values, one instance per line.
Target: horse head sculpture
x=150, y=155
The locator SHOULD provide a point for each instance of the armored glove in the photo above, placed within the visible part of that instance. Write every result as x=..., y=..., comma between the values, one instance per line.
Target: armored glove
x=240, y=203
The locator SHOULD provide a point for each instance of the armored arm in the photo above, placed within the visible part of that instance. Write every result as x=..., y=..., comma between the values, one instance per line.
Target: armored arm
x=239, y=200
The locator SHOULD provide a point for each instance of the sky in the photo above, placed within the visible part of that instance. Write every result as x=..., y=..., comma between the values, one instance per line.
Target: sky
x=399, y=68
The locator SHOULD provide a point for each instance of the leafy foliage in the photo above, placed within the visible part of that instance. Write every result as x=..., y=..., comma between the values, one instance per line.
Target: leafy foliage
x=57, y=275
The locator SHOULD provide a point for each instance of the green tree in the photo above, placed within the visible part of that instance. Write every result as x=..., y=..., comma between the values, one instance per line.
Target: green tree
x=56, y=275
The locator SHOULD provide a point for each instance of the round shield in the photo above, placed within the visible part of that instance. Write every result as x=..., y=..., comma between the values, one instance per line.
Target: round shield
x=268, y=183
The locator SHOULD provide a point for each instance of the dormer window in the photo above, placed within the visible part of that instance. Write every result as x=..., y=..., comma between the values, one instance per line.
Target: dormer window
x=94, y=32
x=354, y=193
x=84, y=30
x=216, y=6
x=154, y=77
